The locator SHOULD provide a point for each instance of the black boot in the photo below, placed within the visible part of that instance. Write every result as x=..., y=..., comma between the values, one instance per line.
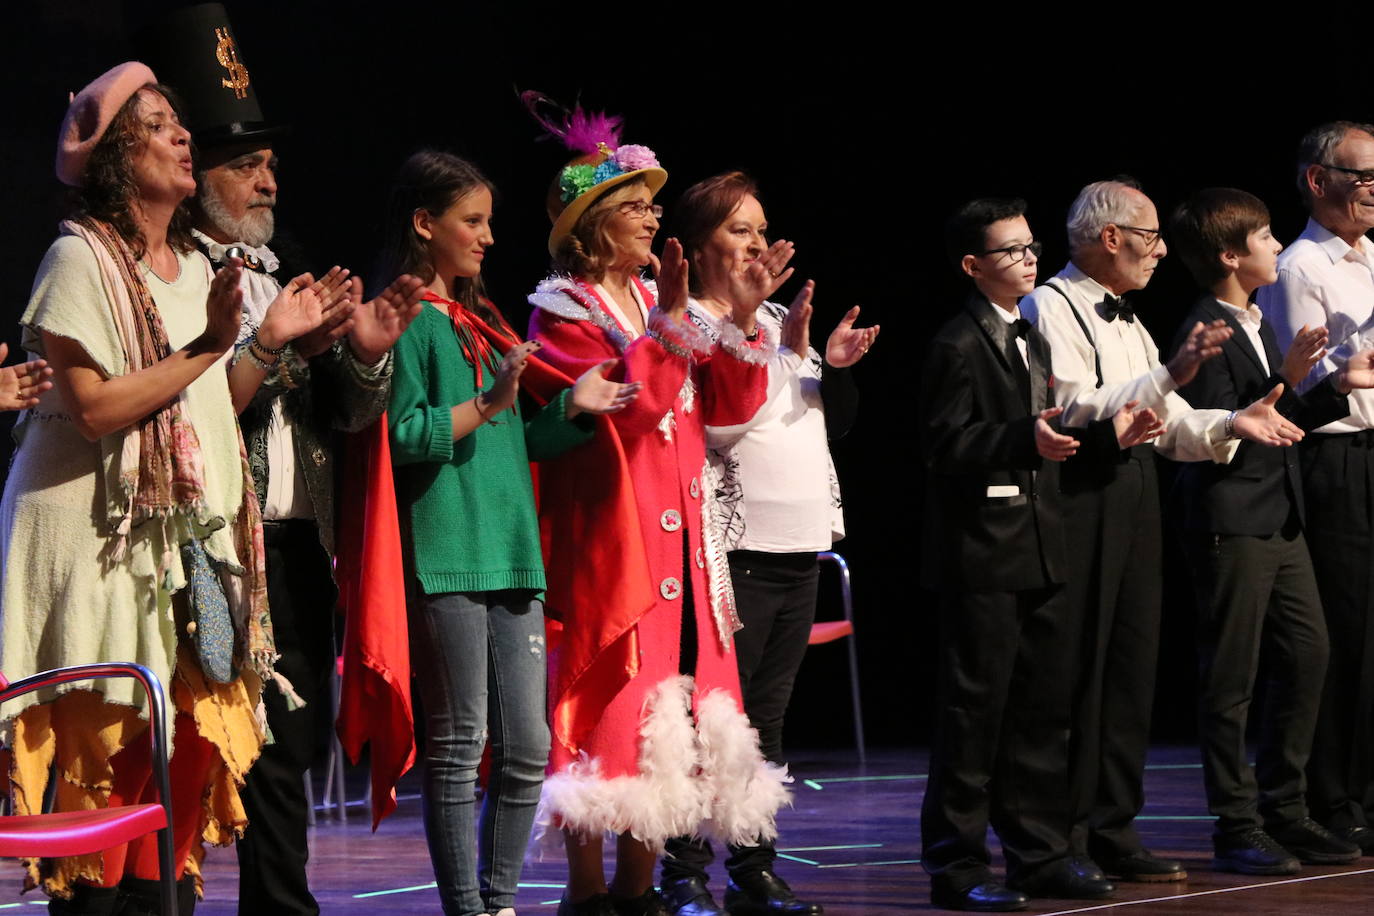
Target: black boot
x=86, y=900
x=139, y=897
x=186, y=895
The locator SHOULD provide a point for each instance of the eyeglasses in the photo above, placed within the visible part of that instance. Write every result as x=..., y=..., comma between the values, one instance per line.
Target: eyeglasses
x=1152, y=236
x=638, y=209
x=1017, y=253
x=1361, y=177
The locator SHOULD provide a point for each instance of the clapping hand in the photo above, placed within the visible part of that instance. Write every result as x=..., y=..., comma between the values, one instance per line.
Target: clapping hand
x=1261, y=423
x=21, y=384
x=380, y=322
x=848, y=344
x=672, y=281
x=594, y=393
x=760, y=278
x=1358, y=372
x=1134, y=427
x=1051, y=445
x=224, y=308
x=1204, y=341
x=304, y=305
x=1307, y=349
x=501, y=395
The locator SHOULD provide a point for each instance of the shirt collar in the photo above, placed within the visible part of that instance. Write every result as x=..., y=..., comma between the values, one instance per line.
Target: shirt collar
x=1335, y=247
x=1095, y=291
x=1250, y=317
x=216, y=250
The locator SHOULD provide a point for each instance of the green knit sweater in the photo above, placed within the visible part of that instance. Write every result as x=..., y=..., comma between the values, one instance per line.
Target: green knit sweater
x=467, y=506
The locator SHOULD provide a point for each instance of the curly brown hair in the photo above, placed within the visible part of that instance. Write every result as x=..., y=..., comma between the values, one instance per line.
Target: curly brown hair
x=108, y=190
x=587, y=251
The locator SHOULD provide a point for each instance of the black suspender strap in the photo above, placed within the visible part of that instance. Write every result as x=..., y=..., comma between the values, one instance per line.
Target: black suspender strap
x=1097, y=357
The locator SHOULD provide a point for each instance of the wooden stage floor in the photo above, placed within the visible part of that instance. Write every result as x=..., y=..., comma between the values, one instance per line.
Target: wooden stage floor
x=851, y=841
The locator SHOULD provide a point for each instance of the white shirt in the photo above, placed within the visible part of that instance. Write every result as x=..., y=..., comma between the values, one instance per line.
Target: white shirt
x=1325, y=282
x=772, y=479
x=1131, y=370
x=1250, y=319
x=1011, y=317
x=287, y=494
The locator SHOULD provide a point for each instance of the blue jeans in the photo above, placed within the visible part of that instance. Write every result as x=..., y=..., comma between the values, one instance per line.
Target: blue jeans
x=480, y=661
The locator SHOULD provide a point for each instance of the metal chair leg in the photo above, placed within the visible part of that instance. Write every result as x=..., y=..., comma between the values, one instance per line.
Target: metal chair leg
x=847, y=596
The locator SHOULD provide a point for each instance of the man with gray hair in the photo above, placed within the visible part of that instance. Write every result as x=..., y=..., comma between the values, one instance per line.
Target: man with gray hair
x=1326, y=277
x=1103, y=358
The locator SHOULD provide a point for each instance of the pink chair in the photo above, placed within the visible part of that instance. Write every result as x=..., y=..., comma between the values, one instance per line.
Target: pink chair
x=68, y=833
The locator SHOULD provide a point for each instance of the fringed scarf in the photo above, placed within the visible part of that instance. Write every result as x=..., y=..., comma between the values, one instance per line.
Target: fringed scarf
x=157, y=474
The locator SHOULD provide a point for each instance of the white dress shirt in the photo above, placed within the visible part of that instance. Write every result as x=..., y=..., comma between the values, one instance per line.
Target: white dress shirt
x=1250, y=319
x=1325, y=282
x=1131, y=370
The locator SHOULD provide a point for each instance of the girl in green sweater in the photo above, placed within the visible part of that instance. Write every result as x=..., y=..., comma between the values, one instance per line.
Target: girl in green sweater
x=461, y=444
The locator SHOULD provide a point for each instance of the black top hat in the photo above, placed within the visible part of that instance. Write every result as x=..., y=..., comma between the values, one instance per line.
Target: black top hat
x=194, y=51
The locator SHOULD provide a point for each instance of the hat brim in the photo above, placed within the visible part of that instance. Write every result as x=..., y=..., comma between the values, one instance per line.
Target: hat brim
x=215, y=137
x=655, y=178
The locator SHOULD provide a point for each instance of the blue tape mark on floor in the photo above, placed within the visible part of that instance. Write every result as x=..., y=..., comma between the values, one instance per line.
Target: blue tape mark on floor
x=824, y=848
x=783, y=855
x=861, y=864
x=396, y=890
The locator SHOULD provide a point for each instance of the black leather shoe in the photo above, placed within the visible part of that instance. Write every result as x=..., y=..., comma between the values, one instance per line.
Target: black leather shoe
x=1313, y=844
x=988, y=897
x=765, y=894
x=1065, y=878
x=1362, y=837
x=595, y=905
x=689, y=897
x=1143, y=866
x=1253, y=852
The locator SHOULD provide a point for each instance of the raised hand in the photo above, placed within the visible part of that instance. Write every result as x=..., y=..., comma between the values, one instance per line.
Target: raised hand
x=379, y=323
x=594, y=393
x=336, y=316
x=796, y=327
x=303, y=305
x=672, y=281
x=747, y=288
x=1134, y=427
x=223, y=308
x=1358, y=372
x=21, y=384
x=1204, y=341
x=501, y=395
x=848, y=344
x=1051, y=445
x=1261, y=423
x=1307, y=349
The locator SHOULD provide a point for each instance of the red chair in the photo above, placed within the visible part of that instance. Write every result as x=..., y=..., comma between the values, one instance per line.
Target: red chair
x=831, y=630
x=69, y=833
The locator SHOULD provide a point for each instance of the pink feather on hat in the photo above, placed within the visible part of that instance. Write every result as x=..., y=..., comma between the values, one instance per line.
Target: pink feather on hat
x=581, y=131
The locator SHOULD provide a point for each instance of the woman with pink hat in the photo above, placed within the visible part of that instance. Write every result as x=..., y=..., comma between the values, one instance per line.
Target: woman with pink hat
x=649, y=740
x=129, y=529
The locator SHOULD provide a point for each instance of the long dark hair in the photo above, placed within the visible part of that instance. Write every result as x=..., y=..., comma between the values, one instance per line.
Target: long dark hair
x=109, y=192
x=429, y=180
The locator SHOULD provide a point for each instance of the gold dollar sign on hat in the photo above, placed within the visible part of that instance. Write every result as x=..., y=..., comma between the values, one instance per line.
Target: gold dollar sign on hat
x=228, y=58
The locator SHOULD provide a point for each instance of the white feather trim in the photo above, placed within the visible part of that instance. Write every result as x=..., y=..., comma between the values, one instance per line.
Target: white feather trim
x=746, y=790
x=552, y=295
x=733, y=341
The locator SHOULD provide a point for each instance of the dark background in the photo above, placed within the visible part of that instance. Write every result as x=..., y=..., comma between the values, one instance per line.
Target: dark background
x=864, y=130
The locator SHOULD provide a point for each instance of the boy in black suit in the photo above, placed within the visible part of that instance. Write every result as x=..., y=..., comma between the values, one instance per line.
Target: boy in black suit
x=1243, y=539
x=995, y=553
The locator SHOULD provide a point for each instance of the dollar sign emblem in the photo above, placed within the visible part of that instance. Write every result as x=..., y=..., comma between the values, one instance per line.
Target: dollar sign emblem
x=228, y=58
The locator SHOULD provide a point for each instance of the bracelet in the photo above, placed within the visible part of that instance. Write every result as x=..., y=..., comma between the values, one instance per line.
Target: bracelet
x=252, y=356
x=270, y=351
x=1231, y=425
x=477, y=403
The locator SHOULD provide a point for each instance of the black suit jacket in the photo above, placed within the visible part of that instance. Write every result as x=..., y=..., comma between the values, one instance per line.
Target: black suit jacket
x=1258, y=491
x=978, y=431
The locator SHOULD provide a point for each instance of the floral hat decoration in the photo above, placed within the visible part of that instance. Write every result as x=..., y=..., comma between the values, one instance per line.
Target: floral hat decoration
x=601, y=164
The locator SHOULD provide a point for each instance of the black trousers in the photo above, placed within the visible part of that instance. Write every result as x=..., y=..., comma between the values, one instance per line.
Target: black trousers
x=1112, y=529
x=1000, y=753
x=1338, y=480
x=274, y=850
x=1256, y=596
x=776, y=597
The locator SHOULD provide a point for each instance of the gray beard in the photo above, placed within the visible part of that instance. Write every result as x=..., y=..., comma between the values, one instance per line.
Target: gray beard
x=254, y=229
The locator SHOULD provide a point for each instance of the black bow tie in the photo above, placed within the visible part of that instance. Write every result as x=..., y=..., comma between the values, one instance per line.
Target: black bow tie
x=1112, y=307
x=1019, y=328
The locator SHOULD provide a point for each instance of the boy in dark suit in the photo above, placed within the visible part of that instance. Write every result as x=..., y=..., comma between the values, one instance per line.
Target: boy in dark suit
x=1243, y=539
x=995, y=553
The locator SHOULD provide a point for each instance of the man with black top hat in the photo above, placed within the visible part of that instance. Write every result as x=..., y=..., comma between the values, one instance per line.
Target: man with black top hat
x=334, y=379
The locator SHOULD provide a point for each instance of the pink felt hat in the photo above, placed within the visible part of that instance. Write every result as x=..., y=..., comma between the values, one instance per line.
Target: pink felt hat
x=89, y=116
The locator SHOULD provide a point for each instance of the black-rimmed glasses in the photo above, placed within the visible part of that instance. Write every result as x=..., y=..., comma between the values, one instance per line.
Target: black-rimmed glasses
x=1017, y=253
x=1364, y=178
x=1151, y=236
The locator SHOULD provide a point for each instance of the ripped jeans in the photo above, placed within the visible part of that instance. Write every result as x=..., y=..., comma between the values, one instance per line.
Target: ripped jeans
x=480, y=661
